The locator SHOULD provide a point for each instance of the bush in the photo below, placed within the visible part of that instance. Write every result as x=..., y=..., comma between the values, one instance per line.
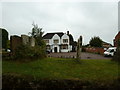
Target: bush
x=4, y=38
x=28, y=52
x=6, y=55
x=95, y=42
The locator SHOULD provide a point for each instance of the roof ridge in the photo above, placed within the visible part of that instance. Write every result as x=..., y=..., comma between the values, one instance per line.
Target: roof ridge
x=50, y=35
x=56, y=32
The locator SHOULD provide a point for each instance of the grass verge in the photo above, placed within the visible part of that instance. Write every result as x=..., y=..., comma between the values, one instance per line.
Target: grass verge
x=57, y=68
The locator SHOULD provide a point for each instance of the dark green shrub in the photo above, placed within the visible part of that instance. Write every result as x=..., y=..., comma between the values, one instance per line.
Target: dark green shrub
x=6, y=55
x=28, y=52
x=39, y=52
x=95, y=42
x=4, y=38
x=23, y=51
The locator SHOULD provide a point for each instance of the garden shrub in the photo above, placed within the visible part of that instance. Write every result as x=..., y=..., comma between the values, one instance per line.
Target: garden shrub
x=28, y=52
x=6, y=55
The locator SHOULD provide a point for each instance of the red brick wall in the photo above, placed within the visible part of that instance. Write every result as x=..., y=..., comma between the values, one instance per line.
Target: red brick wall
x=117, y=37
x=95, y=50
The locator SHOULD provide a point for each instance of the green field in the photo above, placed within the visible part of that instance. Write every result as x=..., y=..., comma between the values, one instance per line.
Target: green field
x=57, y=68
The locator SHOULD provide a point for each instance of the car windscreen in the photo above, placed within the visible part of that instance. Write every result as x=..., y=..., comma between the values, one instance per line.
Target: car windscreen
x=110, y=50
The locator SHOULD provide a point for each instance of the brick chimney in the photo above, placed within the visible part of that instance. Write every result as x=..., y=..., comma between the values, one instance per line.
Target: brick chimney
x=67, y=32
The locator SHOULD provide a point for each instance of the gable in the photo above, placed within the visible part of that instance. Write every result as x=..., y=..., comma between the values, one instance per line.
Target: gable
x=65, y=36
x=56, y=36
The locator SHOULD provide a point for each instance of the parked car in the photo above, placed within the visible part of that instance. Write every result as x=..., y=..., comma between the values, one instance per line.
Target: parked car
x=110, y=51
x=8, y=50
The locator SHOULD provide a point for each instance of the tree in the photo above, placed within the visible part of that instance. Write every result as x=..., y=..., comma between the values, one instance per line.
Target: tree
x=72, y=42
x=32, y=52
x=95, y=42
x=37, y=33
x=4, y=38
x=71, y=39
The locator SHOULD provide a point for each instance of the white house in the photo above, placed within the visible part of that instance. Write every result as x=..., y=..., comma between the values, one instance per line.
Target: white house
x=58, y=42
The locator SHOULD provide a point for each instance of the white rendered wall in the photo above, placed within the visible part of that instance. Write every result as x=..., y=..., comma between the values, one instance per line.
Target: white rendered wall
x=64, y=50
x=50, y=41
x=53, y=45
x=55, y=37
x=65, y=36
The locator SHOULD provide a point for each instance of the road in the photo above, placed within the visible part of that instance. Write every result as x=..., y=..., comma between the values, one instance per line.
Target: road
x=73, y=55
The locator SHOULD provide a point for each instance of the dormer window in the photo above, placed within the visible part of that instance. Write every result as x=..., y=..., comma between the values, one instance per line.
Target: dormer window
x=56, y=41
x=65, y=40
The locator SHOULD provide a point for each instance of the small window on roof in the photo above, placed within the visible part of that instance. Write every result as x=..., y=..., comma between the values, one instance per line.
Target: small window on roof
x=56, y=41
x=65, y=40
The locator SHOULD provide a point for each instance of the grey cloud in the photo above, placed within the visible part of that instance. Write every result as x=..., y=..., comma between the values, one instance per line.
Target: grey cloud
x=87, y=19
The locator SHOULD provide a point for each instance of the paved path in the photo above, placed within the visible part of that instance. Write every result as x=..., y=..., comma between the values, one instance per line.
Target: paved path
x=73, y=55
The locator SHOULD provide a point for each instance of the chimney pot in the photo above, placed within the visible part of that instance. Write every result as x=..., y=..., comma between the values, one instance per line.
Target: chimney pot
x=67, y=32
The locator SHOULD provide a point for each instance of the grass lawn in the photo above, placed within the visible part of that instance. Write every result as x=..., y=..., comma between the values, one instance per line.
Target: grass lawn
x=57, y=68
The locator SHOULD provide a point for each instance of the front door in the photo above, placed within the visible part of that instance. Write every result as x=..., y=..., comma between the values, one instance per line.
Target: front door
x=55, y=49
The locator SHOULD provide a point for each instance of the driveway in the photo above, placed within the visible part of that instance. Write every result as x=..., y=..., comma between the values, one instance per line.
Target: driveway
x=73, y=55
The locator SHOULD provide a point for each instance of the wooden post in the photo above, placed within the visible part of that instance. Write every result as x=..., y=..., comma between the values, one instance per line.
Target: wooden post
x=79, y=49
x=80, y=46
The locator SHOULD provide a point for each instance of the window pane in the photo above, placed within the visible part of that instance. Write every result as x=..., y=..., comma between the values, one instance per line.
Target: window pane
x=56, y=41
x=65, y=40
x=64, y=47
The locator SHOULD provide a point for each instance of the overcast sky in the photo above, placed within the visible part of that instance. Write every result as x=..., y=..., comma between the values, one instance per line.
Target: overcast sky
x=88, y=19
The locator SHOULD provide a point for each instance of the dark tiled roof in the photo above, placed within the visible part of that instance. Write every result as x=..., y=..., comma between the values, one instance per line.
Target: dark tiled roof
x=50, y=35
